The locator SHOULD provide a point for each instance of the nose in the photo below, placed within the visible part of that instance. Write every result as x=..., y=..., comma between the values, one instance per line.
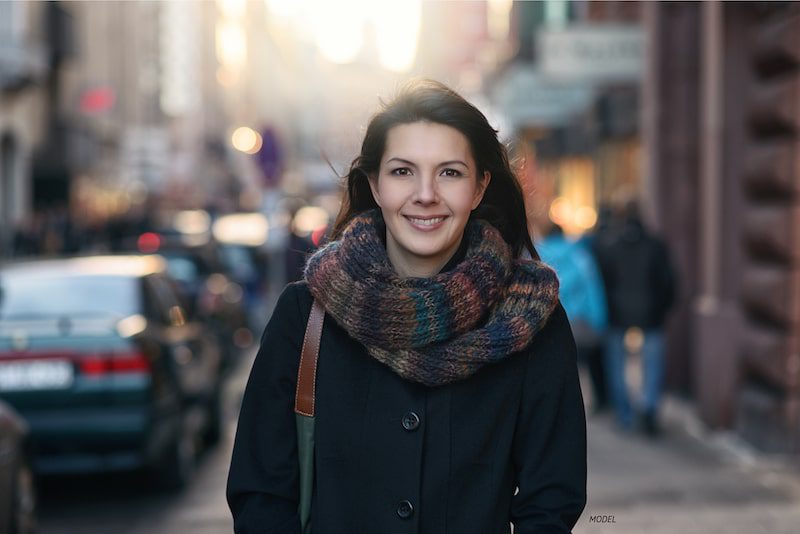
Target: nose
x=427, y=192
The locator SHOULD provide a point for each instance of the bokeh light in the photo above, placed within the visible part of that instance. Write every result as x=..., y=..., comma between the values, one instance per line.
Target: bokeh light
x=246, y=140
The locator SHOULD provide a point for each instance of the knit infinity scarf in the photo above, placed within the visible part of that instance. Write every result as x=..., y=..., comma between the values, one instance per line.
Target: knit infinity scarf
x=432, y=330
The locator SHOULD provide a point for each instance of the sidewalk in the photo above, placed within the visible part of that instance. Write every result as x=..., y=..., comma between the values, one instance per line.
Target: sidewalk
x=690, y=481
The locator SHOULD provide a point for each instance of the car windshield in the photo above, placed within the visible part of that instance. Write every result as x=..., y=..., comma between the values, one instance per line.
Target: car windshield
x=31, y=297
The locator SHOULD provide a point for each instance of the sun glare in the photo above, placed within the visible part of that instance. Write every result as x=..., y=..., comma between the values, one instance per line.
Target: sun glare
x=231, y=45
x=397, y=26
x=339, y=28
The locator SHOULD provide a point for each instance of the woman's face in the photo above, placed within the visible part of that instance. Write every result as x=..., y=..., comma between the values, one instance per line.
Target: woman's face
x=426, y=187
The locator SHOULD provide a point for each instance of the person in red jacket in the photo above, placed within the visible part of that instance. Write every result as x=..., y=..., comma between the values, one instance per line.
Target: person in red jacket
x=447, y=392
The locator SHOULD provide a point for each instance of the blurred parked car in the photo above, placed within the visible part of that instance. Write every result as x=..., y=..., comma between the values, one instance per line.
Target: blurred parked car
x=241, y=239
x=247, y=265
x=17, y=489
x=212, y=296
x=218, y=286
x=107, y=367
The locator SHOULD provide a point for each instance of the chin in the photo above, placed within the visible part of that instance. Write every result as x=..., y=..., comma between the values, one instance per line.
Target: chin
x=428, y=252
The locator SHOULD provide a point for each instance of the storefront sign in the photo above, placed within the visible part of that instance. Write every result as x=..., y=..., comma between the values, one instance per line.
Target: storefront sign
x=527, y=98
x=591, y=53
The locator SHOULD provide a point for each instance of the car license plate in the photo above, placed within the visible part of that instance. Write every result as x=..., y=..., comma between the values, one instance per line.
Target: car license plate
x=35, y=375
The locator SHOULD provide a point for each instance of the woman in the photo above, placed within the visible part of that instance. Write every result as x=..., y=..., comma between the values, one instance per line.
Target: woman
x=447, y=394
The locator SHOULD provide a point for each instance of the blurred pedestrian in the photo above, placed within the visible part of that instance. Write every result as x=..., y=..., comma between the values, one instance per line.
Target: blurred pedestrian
x=583, y=297
x=28, y=236
x=597, y=241
x=447, y=392
x=640, y=289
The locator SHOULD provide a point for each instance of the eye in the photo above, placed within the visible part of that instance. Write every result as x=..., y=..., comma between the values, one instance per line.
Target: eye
x=402, y=171
x=452, y=172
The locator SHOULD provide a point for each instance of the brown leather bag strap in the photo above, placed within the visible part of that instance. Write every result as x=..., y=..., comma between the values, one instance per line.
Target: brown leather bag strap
x=307, y=374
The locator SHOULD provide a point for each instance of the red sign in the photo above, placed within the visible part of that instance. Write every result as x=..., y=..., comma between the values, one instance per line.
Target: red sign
x=97, y=100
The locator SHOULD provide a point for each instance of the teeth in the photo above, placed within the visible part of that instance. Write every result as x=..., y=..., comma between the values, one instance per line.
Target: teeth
x=426, y=222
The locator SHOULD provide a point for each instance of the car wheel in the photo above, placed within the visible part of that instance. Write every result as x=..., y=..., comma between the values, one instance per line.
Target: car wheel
x=178, y=464
x=23, y=520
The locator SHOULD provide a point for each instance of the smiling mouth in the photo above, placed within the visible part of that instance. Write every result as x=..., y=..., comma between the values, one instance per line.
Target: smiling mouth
x=425, y=222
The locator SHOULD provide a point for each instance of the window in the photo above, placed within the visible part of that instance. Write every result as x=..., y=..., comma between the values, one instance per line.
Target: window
x=55, y=295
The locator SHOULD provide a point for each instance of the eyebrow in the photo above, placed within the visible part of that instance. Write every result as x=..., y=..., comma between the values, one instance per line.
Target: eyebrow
x=450, y=162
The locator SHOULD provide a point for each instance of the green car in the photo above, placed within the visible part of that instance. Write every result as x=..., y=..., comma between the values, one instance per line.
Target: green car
x=98, y=355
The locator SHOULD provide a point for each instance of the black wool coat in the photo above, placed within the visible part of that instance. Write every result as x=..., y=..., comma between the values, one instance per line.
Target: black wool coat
x=397, y=457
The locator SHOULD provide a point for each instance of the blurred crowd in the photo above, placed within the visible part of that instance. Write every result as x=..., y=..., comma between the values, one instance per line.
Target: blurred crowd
x=55, y=232
x=50, y=232
x=617, y=285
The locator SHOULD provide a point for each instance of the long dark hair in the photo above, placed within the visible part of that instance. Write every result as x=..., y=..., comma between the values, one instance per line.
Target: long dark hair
x=432, y=101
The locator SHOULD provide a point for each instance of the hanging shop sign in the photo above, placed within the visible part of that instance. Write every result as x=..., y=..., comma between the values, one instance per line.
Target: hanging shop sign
x=594, y=54
x=526, y=97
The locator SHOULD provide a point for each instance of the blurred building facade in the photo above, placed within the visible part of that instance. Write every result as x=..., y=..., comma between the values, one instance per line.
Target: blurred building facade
x=722, y=138
x=105, y=103
x=145, y=101
x=34, y=42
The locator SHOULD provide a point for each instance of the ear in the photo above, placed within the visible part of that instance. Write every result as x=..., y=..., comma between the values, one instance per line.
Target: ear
x=481, y=190
x=372, y=179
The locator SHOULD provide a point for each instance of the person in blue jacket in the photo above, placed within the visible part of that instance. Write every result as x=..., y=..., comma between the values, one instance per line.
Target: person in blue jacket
x=583, y=297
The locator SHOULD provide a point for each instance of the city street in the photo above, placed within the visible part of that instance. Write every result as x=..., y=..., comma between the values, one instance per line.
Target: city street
x=166, y=168
x=689, y=482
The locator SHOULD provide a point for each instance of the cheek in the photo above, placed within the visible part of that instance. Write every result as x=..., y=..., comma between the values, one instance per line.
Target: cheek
x=466, y=199
x=388, y=196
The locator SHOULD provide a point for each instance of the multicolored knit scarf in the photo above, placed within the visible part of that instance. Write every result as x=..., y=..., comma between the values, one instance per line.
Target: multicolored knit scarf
x=432, y=330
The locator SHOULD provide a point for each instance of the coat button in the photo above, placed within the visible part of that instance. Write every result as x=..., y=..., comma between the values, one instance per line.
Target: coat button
x=410, y=421
x=405, y=510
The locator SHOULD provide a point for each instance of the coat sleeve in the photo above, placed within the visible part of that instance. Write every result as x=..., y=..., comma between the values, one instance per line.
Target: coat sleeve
x=550, y=440
x=263, y=481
